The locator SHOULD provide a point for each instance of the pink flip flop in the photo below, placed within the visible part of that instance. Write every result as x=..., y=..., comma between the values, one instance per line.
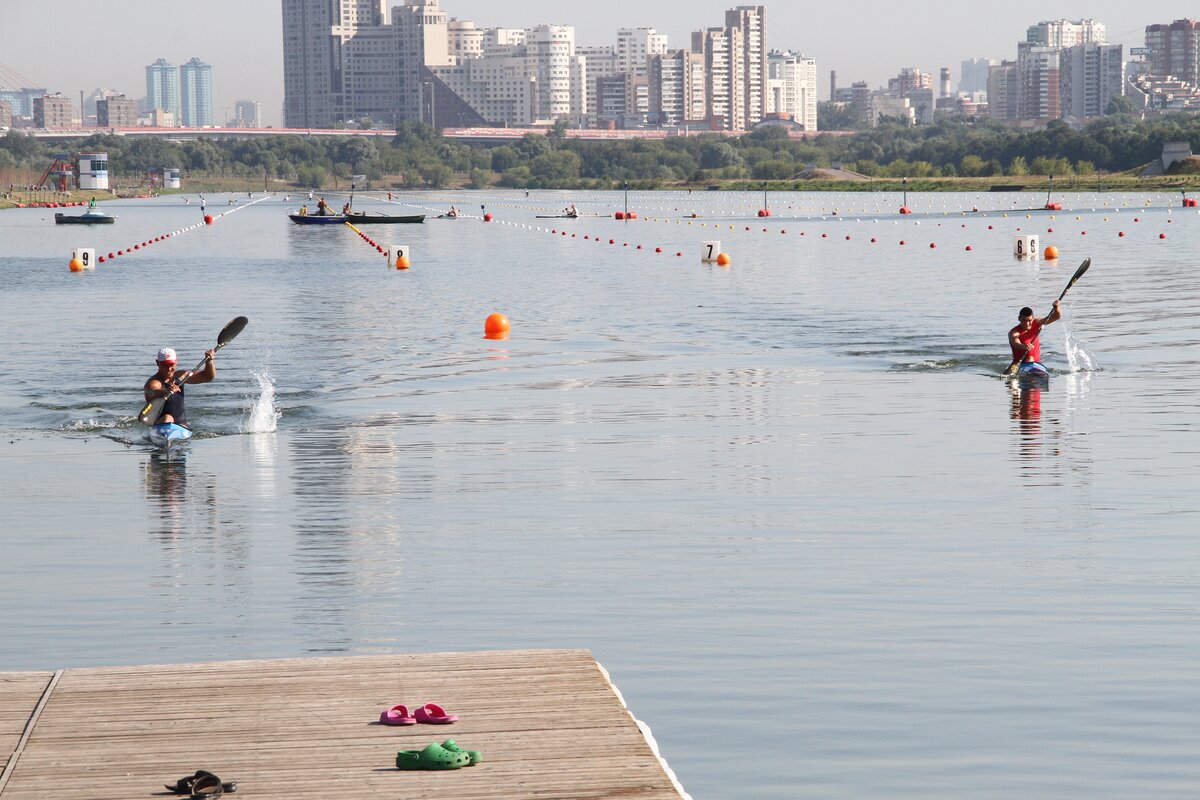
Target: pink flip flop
x=433, y=714
x=397, y=715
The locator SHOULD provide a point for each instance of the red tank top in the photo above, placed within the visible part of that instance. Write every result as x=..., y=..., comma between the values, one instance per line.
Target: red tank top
x=1031, y=339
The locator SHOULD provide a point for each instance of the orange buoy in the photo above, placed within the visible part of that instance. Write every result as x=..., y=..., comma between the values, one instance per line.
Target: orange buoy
x=1051, y=253
x=496, y=326
x=619, y=215
x=723, y=260
x=487, y=217
x=208, y=220
x=75, y=265
x=403, y=263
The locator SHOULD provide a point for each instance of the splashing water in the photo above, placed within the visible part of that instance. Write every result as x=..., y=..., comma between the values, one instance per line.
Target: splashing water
x=1079, y=358
x=263, y=416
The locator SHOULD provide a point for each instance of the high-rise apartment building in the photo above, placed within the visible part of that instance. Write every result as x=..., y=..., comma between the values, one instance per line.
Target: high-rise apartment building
x=973, y=74
x=1091, y=76
x=792, y=87
x=1175, y=49
x=116, y=112
x=1038, y=82
x=162, y=87
x=635, y=46
x=600, y=61
x=195, y=94
x=340, y=63
x=522, y=77
x=1002, y=91
x=247, y=114
x=1064, y=33
x=735, y=58
x=52, y=112
x=910, y=78
x=676, y=84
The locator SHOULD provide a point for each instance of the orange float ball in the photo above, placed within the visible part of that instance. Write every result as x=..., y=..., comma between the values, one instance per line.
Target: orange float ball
x=403, y=263
x=208, y=220
x=723, y=260
x=1051, y=253
x=75, y=265
x=495, y=324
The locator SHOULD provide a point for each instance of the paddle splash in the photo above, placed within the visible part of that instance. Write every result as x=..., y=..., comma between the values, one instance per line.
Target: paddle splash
x=263, y=416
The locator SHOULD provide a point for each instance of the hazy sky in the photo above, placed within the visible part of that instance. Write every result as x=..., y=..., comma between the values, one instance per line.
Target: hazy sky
x=108, y=44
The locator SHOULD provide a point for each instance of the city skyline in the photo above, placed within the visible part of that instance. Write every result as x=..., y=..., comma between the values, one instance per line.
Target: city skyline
x=247, y=57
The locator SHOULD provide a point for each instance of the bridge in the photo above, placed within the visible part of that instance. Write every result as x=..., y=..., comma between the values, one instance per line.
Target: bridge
x=480, y=135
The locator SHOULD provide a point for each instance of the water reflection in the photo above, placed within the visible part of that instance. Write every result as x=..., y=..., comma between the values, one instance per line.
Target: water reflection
x=1025, y=410
x=1052, y=441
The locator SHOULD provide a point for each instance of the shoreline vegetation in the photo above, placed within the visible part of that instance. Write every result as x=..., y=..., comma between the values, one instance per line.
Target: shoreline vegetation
x=1116, y=153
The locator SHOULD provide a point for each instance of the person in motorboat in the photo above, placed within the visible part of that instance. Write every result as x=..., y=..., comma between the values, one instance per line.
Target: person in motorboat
x=346, y=210
x=92, y=204
x=162, y=384
x=1025, y=337
x=303, y=212
x=322, y=208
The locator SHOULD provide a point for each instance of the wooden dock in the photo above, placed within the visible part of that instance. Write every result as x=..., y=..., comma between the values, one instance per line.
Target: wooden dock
x=549, y=723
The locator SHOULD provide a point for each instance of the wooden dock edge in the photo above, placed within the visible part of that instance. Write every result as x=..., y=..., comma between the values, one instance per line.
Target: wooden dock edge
x=138, y=727
x=10, y=765
x=647, y=734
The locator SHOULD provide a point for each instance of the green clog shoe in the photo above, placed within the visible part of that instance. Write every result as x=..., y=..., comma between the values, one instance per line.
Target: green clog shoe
x=475, y=755
x=432, y=757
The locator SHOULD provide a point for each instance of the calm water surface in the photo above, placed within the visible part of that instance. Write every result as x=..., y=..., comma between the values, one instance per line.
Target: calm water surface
x=822, y=548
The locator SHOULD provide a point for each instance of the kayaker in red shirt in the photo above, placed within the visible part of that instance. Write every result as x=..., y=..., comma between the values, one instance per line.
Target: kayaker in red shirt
x=1025, y=340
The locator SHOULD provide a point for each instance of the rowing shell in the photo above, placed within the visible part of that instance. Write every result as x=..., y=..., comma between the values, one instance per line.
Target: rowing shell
x=168, y=435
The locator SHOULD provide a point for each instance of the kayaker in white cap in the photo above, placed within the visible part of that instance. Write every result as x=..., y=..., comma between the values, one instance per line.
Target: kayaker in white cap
x=163, y=384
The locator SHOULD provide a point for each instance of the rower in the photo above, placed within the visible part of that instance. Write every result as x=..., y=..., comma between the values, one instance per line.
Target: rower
x=453, y=212
x=162, y=384
x=346, y=209
x=1024, y=338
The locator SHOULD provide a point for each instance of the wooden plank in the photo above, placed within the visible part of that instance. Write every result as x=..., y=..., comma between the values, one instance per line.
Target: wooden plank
x=19, y=695
x=547, y=721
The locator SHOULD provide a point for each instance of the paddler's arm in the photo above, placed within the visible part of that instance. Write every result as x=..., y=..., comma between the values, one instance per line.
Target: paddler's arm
x=1014, y=338
x=155, y=389
x=207, y=373
x=1055, y=314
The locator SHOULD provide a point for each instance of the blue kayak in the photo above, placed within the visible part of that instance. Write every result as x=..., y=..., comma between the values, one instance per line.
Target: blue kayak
x=167, y=435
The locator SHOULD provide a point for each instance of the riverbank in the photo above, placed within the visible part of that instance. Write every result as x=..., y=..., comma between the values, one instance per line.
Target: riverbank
x=217, y=186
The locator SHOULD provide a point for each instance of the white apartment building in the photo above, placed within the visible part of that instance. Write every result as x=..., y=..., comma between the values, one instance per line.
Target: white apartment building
x=466, y=41
x=735, y=58
x=676, y=85
x=523, y=77
x=1064, y=33
x=600, y=62
x=635, y=46
x=792, y=87
x=497, y=86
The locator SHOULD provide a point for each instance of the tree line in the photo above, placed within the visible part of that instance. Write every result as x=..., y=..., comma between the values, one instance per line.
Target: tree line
x=416, y=155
